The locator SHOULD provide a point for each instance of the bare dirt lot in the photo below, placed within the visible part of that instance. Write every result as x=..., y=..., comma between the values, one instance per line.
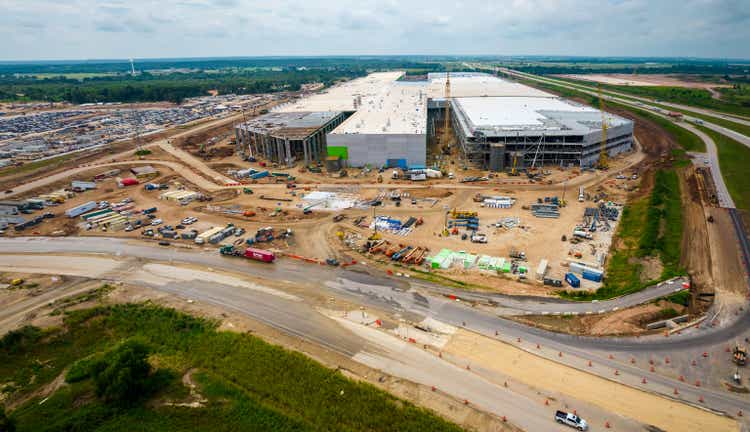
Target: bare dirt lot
x=527, y=368
x=645, y=80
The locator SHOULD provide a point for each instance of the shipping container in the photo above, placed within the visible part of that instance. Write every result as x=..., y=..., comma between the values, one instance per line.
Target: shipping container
x=260, y=255
x=592, y=275
x=572, y=280
x=128, y=181
x=83, y=185
x=259, y=175
x=81, y=209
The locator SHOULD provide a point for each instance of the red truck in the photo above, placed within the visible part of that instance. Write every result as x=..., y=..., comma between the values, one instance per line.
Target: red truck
x=260, y=255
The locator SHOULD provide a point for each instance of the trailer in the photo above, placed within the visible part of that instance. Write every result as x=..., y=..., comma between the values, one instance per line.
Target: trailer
x=261, y=255
x=81, y=209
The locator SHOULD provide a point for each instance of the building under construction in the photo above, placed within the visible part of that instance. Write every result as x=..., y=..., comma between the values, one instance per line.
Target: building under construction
x=380, y=120
x=498, y=133
x=287, y=137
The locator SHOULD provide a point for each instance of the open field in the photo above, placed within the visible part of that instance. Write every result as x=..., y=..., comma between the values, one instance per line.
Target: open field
x=645, y=80
x=278, y=389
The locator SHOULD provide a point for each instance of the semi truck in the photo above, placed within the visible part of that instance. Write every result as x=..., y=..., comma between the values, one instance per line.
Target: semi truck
x=261, y=255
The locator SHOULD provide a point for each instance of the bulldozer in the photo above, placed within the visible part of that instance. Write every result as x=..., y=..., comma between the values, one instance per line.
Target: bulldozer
x=739, y=355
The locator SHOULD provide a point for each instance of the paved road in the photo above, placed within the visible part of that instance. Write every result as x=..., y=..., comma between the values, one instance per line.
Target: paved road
x=298, y=271
x=396, y=297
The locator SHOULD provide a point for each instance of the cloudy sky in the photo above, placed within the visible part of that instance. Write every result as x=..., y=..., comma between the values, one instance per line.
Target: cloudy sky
x=87, y=29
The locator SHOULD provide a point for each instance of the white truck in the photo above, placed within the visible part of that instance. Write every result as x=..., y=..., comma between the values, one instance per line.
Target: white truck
x=571, y=420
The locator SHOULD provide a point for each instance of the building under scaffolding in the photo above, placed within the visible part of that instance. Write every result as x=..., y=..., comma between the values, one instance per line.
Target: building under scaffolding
x=536, y=131
x=286, y=137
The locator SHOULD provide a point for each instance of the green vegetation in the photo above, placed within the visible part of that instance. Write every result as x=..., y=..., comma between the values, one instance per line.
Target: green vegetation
x=31, y=166
x=667, y=313
x=143, y=152
x=649, y=226
x=681, y=297
x=737, y=127
x=735, y=100
x=247, y=384
x=733, y=158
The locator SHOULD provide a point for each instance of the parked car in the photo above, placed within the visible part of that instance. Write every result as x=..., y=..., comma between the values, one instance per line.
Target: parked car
x=164, y=243
x=156, y=222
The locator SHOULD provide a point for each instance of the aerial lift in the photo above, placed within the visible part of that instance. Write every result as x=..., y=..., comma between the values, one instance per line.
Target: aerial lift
x=446, y=140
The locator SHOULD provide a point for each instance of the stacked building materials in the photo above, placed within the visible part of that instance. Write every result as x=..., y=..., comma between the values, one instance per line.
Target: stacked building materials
x=541, y=269
x=498, y=202
x=486, y=262
x=545, y=210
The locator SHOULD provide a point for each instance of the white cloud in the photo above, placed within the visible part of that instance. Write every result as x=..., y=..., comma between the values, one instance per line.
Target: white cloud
x=34, y=29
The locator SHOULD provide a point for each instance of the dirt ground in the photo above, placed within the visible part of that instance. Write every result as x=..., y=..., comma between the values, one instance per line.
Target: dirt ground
x=622, y=322
x=645, y=80
x=614, y=397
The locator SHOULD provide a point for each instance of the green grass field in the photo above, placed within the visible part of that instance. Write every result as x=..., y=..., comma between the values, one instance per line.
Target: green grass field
x=249, y=384
x=733, y=158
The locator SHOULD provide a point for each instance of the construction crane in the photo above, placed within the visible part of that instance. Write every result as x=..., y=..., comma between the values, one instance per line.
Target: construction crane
x=603, y=163
x=446, y=139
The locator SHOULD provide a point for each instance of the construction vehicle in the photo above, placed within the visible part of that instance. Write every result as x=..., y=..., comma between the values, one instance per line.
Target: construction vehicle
x=446, y=140
x=739, y=355
x=249, y=253
x=338, y=218
x=514, y=170
x=247, y=191
x=463, y=214
x=515, y=253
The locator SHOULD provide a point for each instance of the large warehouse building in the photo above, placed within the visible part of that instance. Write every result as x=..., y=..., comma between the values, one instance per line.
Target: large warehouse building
x=382, y=120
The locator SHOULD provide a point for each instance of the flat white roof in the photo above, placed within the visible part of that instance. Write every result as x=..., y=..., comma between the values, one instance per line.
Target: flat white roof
x=401, y=108
x=530, y=113
x=478, y=84
x=342, y=97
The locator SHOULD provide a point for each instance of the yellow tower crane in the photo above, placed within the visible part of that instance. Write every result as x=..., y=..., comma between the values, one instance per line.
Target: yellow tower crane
x=447, y=139
x=603, y=163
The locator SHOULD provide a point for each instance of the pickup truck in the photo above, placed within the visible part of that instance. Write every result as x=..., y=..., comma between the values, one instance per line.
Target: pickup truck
x=571, y=420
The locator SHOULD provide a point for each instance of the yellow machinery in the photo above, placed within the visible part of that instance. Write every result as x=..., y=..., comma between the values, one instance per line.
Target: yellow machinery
x=513, y=171
x=603, y=163
x=462, y=214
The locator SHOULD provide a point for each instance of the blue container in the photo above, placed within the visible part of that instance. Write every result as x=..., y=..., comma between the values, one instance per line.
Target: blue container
x=572, y=280
x=259, y=175
x=396, y=163
x=592, y=276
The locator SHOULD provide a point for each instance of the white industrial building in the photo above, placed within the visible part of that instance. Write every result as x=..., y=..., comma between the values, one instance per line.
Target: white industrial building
x=382, y=120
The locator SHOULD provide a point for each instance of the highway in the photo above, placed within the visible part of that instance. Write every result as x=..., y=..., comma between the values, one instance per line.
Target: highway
x=396, y=297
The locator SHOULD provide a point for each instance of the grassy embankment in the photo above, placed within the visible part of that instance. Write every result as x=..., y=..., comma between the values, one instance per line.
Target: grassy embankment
x=248, y=384
x=733, y=158
x=735, y=126
x=650, y=226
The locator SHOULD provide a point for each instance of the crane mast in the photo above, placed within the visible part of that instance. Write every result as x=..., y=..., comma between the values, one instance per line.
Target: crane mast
x=446, y=140
x=603, y=163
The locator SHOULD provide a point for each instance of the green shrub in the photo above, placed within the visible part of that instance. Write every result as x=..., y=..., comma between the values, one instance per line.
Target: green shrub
x=122, y=375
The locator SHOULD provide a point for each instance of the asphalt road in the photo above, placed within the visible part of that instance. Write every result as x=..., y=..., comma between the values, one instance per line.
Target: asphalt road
x=398, y=299
x=294, y=270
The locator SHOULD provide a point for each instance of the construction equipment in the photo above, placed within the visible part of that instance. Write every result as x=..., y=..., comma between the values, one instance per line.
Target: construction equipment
x=739, y=355
x=603, y=163
x=513, y=170
x=463, y=214
x=447, y=138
